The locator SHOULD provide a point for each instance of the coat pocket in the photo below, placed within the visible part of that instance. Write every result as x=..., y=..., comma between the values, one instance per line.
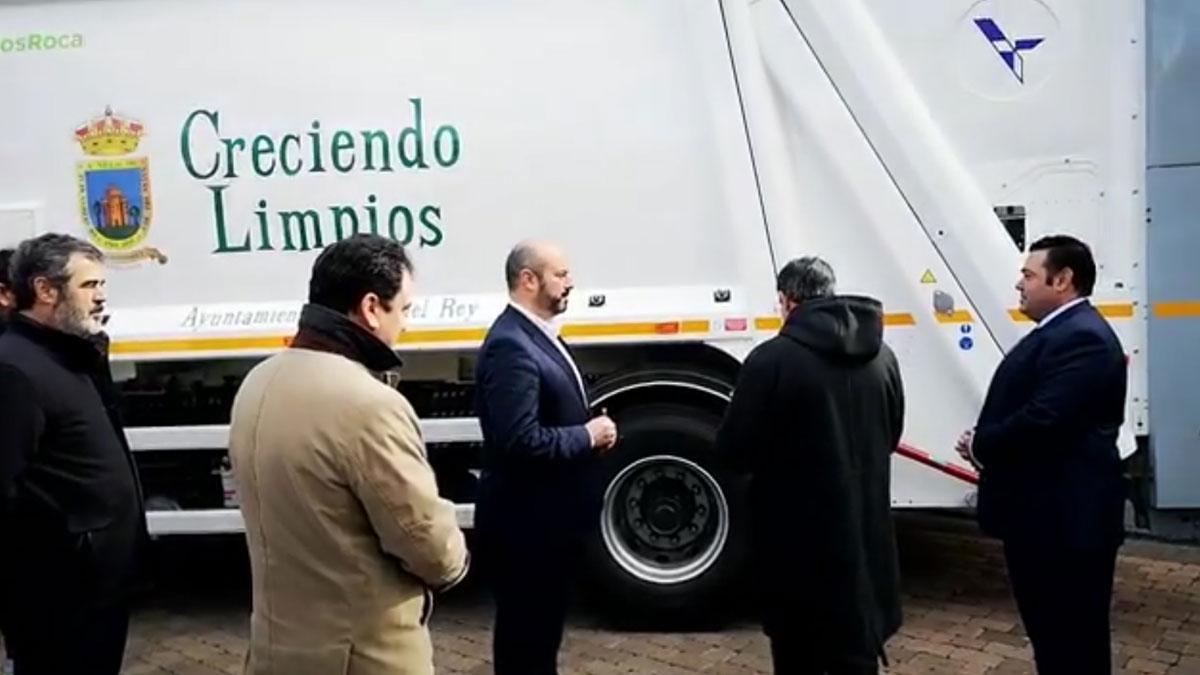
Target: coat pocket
x=86, y=542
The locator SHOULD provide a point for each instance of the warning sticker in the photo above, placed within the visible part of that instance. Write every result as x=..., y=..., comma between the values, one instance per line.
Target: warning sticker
x=928, y=277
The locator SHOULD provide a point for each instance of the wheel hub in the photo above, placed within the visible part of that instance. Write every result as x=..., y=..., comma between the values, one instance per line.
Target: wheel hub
x=665, y=519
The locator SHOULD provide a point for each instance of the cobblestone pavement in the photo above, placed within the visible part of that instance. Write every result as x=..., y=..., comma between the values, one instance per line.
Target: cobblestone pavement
x=959, y=617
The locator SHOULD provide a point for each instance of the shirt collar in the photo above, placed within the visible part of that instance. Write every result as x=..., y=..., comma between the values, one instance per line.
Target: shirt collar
x=1052, y=315
x=550, y=328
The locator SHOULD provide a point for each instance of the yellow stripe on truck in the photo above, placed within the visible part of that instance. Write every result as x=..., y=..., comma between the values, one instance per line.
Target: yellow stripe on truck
x=640, y=328
x=1120, y=310
x=430, y=336
x=444, y=335
x=1112, y=310
x=1123, y=310
x=768, y=323
x=1177, y=310
x=899, y=319
x=199, y=345
x=584, y=330
x=957, y=316
x=271, y=342
x=893, y=319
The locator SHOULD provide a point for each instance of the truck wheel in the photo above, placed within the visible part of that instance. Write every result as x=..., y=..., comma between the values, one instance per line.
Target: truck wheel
x=672, y=540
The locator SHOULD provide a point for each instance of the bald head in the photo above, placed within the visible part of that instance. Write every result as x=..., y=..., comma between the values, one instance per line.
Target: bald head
x=530, y=255
x=538, y=277
x=523, y=256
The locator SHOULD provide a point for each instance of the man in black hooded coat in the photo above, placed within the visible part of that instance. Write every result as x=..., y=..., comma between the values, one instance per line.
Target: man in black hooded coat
x=816, y=415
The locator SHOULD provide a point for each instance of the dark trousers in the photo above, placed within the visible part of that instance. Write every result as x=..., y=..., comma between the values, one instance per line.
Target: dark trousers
x=1064, y=597
x=86, y=641
x=531, y=579
x=796, y=655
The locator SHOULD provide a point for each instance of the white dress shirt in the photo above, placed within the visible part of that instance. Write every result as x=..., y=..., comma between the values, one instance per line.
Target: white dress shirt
x=551, y=330
x=1052, y=315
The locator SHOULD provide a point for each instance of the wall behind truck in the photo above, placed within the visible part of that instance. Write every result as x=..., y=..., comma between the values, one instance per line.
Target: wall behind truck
x=1173, y=174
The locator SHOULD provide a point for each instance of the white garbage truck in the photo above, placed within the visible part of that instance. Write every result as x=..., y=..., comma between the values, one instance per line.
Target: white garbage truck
x=680, y=151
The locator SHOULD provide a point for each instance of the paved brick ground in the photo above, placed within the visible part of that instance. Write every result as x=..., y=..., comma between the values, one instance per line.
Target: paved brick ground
x=959, y=618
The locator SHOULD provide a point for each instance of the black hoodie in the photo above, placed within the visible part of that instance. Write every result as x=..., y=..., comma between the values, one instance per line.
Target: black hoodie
x=847, y=329
x=817, y=412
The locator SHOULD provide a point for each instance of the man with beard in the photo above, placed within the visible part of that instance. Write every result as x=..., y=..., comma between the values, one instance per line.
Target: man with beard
x=7, y=300
x=71, y=519
x=538, y=492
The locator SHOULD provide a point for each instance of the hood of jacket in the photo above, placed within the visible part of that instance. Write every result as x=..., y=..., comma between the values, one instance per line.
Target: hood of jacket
x=845, y=327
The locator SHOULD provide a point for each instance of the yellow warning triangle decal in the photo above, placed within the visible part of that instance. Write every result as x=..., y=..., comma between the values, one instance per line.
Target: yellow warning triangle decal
x=928, y=277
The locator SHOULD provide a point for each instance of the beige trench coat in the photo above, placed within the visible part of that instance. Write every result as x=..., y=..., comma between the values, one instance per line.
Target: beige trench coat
x=345, y=527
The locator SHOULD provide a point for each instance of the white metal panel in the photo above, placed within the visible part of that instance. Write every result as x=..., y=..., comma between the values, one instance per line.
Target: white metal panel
x=213, y=521
x=216, y=436
x=881, y=182
x=902, y=129
x=852, y=214
x=1066, y=139
x=229, y=521
x=915, y=485
x=434, y=314
x=613, y=128
x=17, y=223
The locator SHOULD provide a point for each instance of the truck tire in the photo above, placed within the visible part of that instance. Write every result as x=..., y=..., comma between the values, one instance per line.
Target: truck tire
x=672, y=540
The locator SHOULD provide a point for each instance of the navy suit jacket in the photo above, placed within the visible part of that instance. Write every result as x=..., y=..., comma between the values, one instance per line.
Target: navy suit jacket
x=539, y=468
x=1047, y=436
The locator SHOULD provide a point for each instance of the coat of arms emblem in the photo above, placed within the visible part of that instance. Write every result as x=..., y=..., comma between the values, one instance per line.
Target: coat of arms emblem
x=114, y=187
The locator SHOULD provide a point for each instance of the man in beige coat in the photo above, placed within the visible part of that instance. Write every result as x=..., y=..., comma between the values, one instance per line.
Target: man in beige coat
x=348, y=536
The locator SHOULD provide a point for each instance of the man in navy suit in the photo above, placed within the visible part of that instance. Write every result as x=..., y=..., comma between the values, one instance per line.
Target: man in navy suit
x=538, y=493
x=1051, y=485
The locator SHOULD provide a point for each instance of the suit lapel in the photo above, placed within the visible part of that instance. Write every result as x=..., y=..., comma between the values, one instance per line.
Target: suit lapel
x=576, y=375
x=1019, y=355
x=1016, y=363
x=566, y=347
x=543, y=341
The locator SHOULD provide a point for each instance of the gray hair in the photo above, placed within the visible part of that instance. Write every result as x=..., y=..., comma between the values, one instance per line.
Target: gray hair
x=806, y=278
x=46, y=257
x=523, y=256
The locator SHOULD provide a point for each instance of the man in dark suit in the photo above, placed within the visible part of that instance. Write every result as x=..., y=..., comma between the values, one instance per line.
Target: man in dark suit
x=1051, y=485
x=539, y=491
x=72, y=526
